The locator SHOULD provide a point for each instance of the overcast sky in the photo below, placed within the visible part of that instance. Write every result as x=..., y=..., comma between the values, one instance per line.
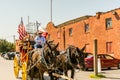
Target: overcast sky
x=11, y=12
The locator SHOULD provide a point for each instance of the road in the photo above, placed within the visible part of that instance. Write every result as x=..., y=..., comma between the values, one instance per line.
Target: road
x=6, y=73
x=6, y=69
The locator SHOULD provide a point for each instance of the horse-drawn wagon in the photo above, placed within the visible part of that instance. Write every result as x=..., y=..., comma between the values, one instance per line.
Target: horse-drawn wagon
x=34, y=62
x=31, y=59
x=21, y=60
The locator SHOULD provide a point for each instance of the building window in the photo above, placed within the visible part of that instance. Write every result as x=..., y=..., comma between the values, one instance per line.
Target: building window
x=58, y=34
x=108, y=23
x=87, y=27
x=70, y=31
x=108, y=47
x=87, y=46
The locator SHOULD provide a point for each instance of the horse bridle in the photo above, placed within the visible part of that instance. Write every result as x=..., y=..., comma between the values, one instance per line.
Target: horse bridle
x=69, y=56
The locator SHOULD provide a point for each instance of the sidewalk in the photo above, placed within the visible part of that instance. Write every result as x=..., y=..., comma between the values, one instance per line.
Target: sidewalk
x=113, y=74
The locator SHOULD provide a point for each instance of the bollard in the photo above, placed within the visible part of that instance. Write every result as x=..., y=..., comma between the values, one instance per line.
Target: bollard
x=99, y=65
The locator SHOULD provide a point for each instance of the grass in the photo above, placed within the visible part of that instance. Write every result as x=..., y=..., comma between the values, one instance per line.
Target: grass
x=97, y=76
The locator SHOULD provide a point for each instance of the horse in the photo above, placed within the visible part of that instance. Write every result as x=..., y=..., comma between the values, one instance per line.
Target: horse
x=68, y=60
x=82, y=56
x=43, y=60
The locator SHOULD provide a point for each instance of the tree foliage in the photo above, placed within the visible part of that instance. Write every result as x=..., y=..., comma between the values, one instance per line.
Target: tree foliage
x=6, y=46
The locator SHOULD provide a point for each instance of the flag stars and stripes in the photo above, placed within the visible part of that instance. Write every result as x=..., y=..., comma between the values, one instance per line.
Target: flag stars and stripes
x=21, y=30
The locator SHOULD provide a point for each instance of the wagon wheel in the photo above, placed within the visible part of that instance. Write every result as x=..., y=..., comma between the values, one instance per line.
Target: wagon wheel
x=24, y=71
x=16, y=67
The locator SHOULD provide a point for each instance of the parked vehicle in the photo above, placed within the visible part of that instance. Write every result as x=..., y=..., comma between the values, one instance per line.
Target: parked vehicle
x=10, y=55
x=106, y=61
x=6, y=56
x=2, y=54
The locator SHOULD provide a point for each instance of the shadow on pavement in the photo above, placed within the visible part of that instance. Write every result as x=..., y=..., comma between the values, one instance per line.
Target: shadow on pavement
x=113, y=78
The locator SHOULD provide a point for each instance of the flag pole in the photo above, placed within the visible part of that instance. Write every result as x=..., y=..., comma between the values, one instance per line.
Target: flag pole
x=21, y=20
x=28, y=23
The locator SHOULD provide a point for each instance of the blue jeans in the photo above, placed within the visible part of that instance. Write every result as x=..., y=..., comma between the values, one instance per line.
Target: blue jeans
x=37, y=46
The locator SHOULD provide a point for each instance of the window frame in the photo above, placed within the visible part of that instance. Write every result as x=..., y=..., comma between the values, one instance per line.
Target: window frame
x=87, y=47
x=58, y=34
x=108, y=22
x=70, y=31
x=87, y=28
x=109, y=47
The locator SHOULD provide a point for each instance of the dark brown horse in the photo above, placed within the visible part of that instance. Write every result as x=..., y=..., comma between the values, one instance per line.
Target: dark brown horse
x=82, y=56
x=69, y=60
x=42, y=60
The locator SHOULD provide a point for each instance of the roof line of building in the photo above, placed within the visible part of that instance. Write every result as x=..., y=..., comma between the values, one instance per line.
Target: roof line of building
x=73, y=21
x=81, y=18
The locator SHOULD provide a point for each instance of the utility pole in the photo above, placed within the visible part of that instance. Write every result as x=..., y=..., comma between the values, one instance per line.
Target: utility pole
x=51, y=10
x=37, y=25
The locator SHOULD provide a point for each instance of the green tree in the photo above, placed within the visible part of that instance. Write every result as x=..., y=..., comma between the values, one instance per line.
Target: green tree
x=6, y=46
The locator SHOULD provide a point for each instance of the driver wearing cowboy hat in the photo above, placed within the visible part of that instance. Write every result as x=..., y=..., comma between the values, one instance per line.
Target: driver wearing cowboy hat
x=39, y=40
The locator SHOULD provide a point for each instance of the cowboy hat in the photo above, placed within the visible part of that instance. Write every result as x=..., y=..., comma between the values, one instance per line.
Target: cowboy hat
x=40, y=32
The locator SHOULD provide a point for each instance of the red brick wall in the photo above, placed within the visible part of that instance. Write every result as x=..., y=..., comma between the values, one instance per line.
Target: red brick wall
x=97, y=31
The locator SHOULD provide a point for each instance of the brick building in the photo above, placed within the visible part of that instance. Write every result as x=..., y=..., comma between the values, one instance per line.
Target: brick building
x=104, y=26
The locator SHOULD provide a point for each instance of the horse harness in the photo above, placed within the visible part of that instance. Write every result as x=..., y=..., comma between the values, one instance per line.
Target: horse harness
x=41, y=59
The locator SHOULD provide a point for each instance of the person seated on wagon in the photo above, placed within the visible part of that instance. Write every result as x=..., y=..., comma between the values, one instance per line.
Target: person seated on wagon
x=39, y=40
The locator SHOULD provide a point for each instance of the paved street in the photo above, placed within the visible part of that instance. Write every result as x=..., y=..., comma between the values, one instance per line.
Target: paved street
x=6, y=73
x=6, y=69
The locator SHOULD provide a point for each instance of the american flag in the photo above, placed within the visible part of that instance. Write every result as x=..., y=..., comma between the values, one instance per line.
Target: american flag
x=21, y=30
